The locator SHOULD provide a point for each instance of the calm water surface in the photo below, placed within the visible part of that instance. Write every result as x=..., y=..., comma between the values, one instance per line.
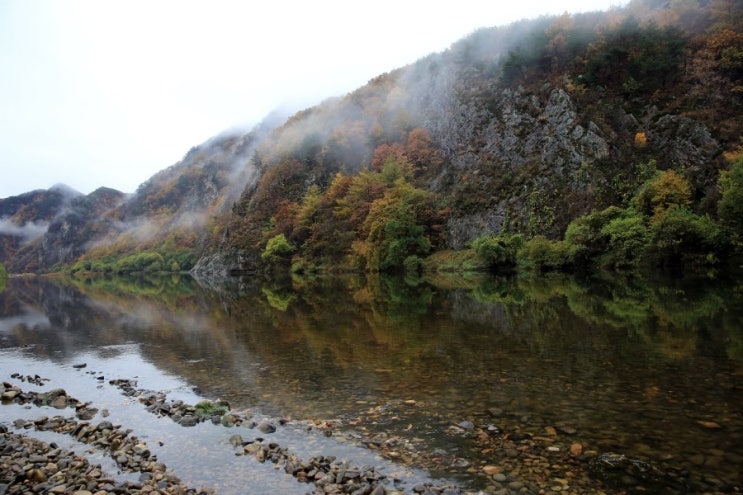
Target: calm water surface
x=650, y=371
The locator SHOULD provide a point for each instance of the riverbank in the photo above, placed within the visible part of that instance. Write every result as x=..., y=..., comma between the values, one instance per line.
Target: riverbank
x=28, y=465
x=522, y=462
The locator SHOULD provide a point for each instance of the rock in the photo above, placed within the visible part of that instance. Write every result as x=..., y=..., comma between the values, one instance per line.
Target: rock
x=576, y=449
x=266, y=427
x=550, y=430
x=500, y=477
x=47, y=398
x=710, y=425
x=491, y=470
x=188, y=421
x=252, y=448
x=466, y=425
x=567, y=430
x=36, y=475
x=9, y=394
x=86, y=413
x=141, y=450
x=37, y=459
x=59, y=402
x=105, y=425
x=236, y=440
x=79, y=366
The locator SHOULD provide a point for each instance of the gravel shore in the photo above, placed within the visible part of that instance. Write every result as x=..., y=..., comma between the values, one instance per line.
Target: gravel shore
x=30, y=466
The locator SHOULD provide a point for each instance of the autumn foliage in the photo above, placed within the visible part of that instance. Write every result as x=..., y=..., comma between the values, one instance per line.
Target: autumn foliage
x=375, y=221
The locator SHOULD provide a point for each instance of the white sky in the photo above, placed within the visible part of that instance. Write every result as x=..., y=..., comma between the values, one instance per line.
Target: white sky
x=108, y=92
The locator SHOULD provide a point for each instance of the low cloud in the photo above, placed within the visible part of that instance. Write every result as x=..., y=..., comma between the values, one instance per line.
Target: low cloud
x=28, y=231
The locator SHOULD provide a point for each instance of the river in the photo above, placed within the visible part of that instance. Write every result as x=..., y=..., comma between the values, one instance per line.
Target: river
x=500, y=385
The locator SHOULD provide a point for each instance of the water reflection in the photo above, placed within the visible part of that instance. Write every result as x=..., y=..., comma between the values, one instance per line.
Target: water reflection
x=632, y=366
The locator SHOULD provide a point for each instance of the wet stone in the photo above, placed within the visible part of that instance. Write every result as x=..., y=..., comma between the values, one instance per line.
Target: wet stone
x=266, y=427
x=188, y=421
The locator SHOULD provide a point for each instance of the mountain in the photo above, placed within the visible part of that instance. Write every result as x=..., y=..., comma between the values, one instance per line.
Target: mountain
x=24, y=219
x=521, y=129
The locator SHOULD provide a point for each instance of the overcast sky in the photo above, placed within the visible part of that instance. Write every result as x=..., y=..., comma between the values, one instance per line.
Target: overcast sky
x=107, y=93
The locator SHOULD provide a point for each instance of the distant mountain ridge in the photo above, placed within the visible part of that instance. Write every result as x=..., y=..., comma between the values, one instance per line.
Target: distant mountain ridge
x=521, y=128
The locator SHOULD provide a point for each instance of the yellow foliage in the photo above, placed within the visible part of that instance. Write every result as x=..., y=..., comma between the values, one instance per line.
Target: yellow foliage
x=641, y=139
x=735, y=153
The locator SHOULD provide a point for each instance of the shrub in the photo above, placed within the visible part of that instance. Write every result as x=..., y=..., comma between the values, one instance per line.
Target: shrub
x=681, y=238
x=544, y=255
x=500, y=250
x=585, y=238
x=147, y=261
x=628, y=237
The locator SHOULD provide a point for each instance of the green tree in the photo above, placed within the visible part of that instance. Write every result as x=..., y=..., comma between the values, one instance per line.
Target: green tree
x=628, y=237
x=278, y=250
x=730, y=206
x=394, y=229
x=498, y=250
x=680, y=238
x=585, y=237
x=544, y=255
x=3, y=277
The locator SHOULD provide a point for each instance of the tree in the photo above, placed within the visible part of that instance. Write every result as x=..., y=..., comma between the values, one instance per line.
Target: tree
x=667, y=189
x=3, y=277
x=307, y=214
x=278, y=250
x=628, y=237
x=586, y=237
x=394, y=228
x=730, y=206
x=544, y=255
x=680, y=238
x=498, y=251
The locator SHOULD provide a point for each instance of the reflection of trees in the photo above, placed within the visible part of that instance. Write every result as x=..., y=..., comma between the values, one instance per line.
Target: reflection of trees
x=314, y=346
x=668, y=315
x=550, y=349
x=171, y=289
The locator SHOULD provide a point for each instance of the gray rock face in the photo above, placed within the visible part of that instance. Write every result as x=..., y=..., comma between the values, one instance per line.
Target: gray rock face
x=531, y=138
x=521, y=153
x=683, y=142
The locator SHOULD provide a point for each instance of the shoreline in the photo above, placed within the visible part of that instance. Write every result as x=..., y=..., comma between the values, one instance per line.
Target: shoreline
x=521, y=462
x=27, y=464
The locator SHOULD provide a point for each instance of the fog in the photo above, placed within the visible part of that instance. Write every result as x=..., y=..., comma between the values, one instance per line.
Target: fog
x=28, y=231
x=109, y=93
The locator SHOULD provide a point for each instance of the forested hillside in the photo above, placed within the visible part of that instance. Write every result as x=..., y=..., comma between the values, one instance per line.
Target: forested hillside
x=516, y=130
x=609, y=138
